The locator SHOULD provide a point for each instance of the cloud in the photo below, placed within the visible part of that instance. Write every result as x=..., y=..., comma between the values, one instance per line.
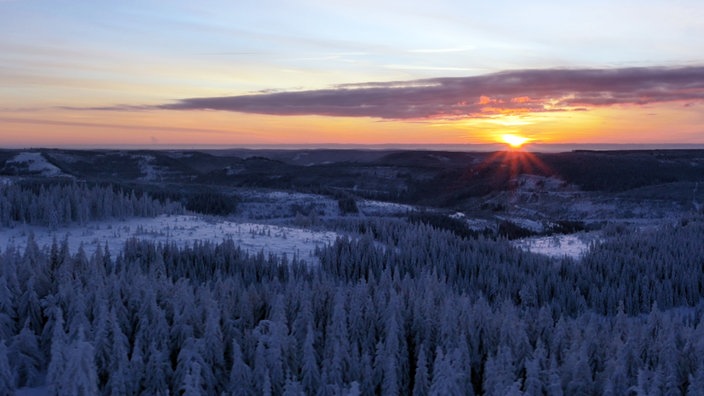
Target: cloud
x=510, y=92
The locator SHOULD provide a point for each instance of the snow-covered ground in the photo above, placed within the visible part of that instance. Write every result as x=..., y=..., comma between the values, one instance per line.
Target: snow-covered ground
x=569, y=245
x=36, y=163
x=380, y=208
x=181, y=230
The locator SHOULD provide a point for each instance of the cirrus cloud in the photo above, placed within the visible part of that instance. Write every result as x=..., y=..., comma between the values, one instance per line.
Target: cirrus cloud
x=509, y=92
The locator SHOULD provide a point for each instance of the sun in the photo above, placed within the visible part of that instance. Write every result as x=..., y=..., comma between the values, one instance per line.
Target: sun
x=514, y=141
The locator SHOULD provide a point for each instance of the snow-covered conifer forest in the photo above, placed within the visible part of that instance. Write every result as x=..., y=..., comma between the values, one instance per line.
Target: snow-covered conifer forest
x=387, y=298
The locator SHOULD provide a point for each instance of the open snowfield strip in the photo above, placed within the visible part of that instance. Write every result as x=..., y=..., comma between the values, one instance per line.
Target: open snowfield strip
x=572, y=245
x=179, y=229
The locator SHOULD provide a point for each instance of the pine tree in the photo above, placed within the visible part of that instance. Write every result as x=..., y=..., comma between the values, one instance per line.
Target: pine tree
x=80, y=375
x=26, y=357
x=191, y=382
x=117, y=363
x=189, y=363
x=292, y=388
x=421, y=382
x=59, y=355
x=240, y=374
x=445, y=377
x=533, y=384
x=554, y=384
x=499, y=374
x=310, y=372
x=159, y=372
x=7, y=311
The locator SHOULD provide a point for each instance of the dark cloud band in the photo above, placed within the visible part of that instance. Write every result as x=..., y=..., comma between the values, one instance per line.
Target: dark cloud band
x=505, y=92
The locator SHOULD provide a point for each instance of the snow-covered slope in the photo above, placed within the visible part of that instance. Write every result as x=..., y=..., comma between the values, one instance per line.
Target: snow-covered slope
x=181, y=230
x=35, y=163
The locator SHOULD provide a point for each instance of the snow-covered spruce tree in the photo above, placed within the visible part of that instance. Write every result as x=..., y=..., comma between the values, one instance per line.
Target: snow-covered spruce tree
x=79, y=376
x=26, y=357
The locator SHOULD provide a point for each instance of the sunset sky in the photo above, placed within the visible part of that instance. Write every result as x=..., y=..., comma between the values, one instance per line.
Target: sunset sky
x=178, y=73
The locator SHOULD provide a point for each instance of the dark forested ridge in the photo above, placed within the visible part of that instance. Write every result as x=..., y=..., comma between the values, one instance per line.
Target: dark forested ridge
x=434, y=178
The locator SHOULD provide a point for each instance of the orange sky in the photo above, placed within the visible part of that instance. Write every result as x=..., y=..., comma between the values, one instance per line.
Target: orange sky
x=665, y=123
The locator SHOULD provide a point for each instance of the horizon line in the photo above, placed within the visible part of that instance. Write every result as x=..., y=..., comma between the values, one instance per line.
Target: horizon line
x=464, y=147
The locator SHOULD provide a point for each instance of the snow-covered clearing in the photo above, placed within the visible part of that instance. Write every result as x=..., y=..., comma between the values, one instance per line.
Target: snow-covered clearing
x=182, y=230
x=380, y=208
x=36, y=163
x=558, y=246
x=147, y=168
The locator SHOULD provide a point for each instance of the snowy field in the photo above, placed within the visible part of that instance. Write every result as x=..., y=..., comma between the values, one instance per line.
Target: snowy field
x=181, y=230
x=558, y=246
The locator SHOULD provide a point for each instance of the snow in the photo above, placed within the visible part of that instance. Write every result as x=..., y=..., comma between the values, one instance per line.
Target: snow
x=558, y=246
x=36, y=163
x=182, y=230
x=457, y=216
x=370, y=208
x=147, y=168
x=291, y=196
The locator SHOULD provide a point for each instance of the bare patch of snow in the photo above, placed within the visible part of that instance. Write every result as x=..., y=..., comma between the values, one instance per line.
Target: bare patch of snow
x=181, y=230
x=147, y=168
x=570, y=245
x=380, y=208
x=290, y=196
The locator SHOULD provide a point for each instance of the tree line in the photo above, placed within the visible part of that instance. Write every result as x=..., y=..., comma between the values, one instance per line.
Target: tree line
x=55, y=205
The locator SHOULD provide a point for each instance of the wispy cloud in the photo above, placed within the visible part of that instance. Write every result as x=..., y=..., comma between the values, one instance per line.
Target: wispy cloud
x=510, y=92
x=439, y=50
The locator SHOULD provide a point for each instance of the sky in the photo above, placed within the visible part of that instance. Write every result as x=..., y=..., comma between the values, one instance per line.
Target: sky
x=157, y=73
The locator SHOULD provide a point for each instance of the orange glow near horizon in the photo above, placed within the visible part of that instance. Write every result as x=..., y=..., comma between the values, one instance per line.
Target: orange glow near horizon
x=514, y=141
x=54, y=127
x=507, y=165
